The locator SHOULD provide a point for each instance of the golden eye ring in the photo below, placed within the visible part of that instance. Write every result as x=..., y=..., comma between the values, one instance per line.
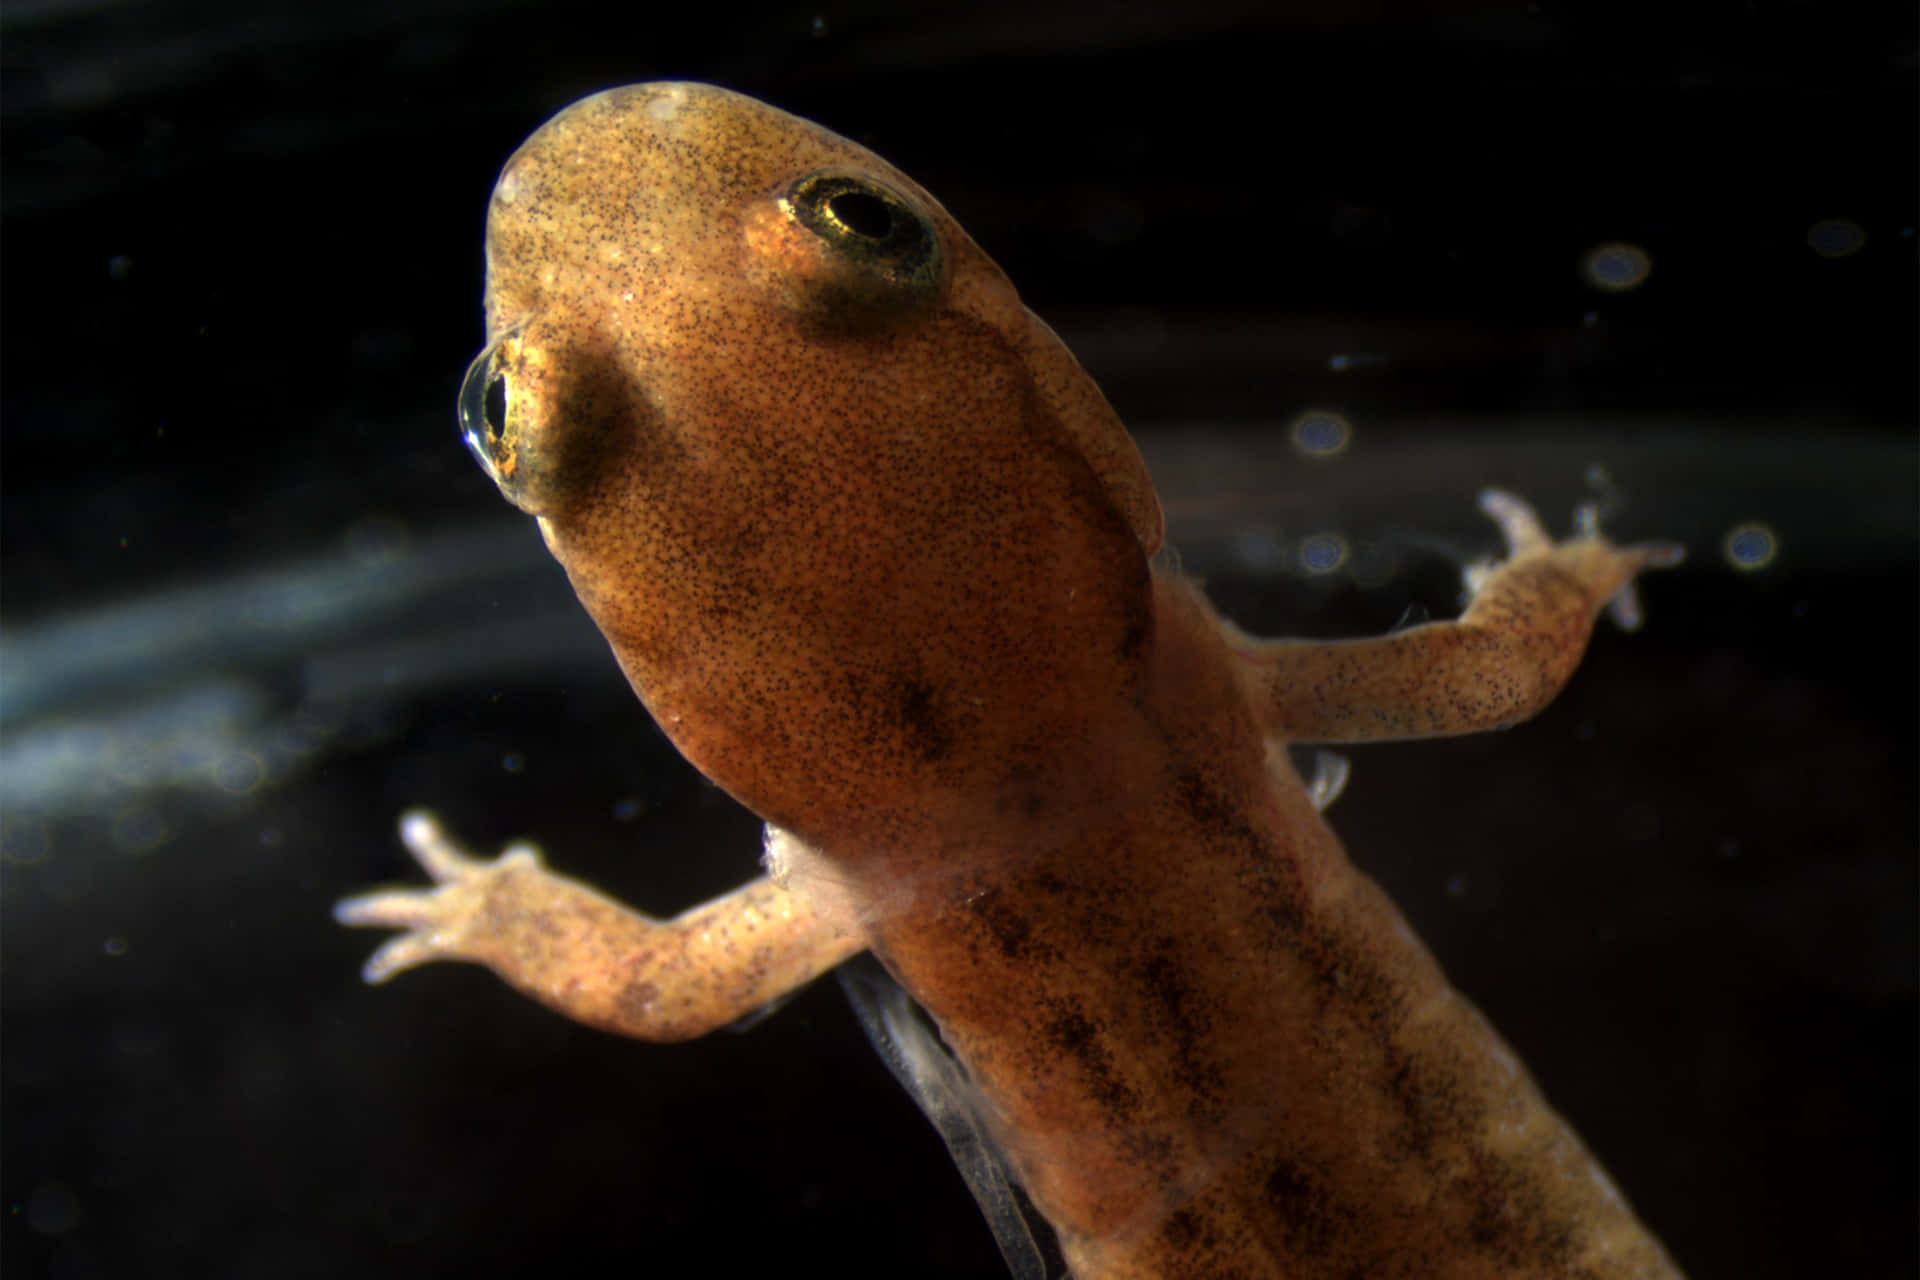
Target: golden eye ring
x=865, y=255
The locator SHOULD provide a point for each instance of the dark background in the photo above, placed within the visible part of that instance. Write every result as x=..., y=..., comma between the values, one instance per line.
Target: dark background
x=258, y=600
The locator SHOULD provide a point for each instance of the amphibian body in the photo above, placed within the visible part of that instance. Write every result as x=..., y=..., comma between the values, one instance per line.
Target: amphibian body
x=880, y=559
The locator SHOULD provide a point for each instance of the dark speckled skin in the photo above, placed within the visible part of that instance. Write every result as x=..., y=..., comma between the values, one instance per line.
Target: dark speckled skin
x=875, y=552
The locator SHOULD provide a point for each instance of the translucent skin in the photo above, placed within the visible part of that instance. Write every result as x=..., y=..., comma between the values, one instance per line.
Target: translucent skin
x=876, y=553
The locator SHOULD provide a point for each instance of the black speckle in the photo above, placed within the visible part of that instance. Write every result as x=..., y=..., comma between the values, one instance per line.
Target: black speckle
x=1071, y=1031
x=917, y=712
x=1177, y=1012
x=1510, y=1220
x=1191, y=793
x=1183, y=1229
x=1023, y=791
x=1283, y=914
x=1433, y=1106
x=1315, y=1222
x=1263, y=873
x=1413, y=1092
x=1344, y=973
x=1010, y=929
x=1078, y=1038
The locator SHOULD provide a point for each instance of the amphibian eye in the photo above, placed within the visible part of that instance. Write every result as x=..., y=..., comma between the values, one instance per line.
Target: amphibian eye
x=483, y=411
x=494, y=423
x=864, y=254
x=868, y=224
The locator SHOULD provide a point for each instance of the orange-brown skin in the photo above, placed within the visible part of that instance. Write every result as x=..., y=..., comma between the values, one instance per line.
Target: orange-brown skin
x=876, y=554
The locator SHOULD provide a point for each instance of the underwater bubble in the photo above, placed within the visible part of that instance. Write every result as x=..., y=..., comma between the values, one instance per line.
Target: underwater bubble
x=1836, y=237
x=23, y=841
x=1320, y=433
x=1750, y=546
x=1322, y=553
x=1616, y=267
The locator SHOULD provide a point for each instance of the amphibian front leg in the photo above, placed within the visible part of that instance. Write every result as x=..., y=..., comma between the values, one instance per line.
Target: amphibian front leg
x=1500, y=662
x=586, y=956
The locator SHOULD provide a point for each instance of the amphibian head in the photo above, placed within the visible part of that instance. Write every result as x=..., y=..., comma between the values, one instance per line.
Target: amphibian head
x=857, y=526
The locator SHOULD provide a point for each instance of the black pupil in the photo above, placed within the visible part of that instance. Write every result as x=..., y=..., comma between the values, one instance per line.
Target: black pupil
x=861, y=213
x=496, y=405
